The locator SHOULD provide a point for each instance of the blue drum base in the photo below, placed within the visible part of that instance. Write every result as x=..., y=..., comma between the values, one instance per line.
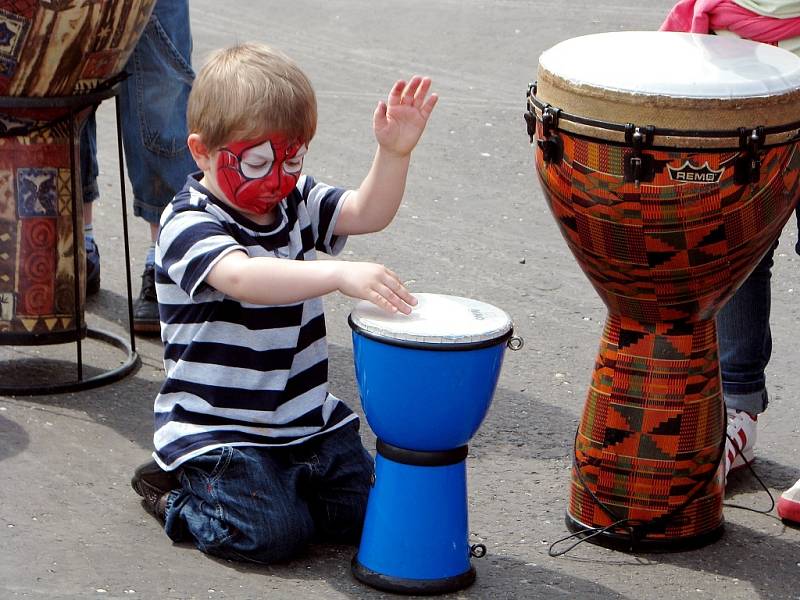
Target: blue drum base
x=412, y=587
x=415, y=536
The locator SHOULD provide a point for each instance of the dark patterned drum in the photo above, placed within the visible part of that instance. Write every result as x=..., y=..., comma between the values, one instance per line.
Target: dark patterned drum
x=47, y=49
x=670, y=163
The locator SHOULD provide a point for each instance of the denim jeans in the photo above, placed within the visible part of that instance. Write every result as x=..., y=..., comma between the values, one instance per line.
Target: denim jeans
x=153, y=114
x=265, y=504
x=745, y=339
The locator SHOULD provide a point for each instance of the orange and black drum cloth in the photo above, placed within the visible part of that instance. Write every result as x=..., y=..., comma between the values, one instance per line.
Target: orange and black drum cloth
x=664, y=255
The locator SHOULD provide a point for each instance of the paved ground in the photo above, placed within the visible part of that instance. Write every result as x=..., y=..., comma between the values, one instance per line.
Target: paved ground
x=474, y=223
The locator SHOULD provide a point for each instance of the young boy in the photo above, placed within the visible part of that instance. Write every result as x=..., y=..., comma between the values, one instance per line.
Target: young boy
x=254, y=456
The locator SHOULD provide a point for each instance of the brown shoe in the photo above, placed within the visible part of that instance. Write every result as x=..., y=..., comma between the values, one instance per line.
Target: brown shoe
x=154, y=484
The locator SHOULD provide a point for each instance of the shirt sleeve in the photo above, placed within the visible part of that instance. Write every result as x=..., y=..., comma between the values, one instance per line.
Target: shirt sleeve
x=190, y=243
x=324, y=203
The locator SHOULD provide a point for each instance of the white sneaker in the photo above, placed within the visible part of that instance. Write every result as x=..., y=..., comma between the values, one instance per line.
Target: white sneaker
x=789, y=505
x=741, y=440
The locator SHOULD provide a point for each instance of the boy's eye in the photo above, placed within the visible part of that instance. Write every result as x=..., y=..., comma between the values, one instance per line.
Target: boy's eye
x=293, y=165
x=257, y=161
x=253, y=170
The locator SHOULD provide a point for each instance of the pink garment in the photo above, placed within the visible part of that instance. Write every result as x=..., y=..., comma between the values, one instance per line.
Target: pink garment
x=704, y=16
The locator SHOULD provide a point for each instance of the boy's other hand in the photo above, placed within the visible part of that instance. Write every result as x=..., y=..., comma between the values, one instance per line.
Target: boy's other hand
x=399, y=122
x=377, y=284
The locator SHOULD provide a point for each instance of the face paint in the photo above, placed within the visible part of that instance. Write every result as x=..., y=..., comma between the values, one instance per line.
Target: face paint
x=257, y=174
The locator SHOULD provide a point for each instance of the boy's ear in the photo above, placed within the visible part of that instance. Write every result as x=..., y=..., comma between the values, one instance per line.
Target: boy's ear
x=200, y=152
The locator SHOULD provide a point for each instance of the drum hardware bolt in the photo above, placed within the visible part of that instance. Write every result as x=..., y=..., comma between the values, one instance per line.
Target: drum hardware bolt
x=530, y=120
x=639, y=167
x=515, y=343
x=530, y=115
x=747, y=168
x=551, y=145
x=477, y=550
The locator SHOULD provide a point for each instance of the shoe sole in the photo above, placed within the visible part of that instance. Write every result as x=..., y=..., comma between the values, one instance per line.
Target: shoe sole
x=789, y=512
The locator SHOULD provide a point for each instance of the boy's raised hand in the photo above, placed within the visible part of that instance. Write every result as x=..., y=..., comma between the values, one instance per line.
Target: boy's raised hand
x=399, y=122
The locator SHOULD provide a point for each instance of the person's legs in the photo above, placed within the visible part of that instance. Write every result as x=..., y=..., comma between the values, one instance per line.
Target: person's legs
x=343, y=471
x=89, y=193
x=153, y=106
x=789, y=502
x=241, y=503
x=745, y=346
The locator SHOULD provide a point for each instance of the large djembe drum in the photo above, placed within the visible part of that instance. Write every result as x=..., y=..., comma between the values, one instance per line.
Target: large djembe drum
x=670, y=164
x=426, y=382
x=53, y=52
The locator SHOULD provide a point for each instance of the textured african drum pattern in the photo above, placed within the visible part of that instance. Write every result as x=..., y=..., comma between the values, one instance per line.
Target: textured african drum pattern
x=664, y=257
x=49, y=48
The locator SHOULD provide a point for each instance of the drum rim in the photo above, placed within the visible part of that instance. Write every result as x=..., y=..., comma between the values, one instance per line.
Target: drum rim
x=435, y=346
x=537, y=106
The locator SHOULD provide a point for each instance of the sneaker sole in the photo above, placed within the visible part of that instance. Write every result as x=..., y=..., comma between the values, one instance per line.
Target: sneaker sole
x=789, y=512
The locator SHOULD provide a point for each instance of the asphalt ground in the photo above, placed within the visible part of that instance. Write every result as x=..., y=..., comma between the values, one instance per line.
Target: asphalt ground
x=474, y=223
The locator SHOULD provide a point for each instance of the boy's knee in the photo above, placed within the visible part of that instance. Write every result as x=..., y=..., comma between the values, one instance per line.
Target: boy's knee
x=272, y=541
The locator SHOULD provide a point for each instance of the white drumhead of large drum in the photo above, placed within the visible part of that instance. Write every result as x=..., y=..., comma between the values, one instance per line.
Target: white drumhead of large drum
x=674, y=64
x=436, y=319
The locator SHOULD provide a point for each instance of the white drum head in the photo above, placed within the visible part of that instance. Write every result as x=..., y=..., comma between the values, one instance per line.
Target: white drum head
x=674, y=64
x=437, y=319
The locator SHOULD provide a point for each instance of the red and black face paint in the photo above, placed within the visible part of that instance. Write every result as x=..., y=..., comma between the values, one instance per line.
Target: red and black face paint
x=256, y=175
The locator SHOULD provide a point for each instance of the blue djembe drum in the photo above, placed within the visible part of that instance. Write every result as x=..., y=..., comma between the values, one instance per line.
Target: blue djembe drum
x=426, y=382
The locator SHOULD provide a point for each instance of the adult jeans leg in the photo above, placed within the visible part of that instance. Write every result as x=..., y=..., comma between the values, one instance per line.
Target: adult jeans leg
x=745, y=340
x=87, y=160
x=153, y=105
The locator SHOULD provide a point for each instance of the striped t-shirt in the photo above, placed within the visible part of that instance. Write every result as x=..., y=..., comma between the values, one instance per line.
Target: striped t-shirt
x=237, y=373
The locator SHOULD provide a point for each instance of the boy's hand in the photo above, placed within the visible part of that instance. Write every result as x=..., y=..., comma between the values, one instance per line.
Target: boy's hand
x=399, y=123
x=376, y=283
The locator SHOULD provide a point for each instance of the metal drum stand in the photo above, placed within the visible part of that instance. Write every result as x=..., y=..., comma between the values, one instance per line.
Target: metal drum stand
x=70, y=107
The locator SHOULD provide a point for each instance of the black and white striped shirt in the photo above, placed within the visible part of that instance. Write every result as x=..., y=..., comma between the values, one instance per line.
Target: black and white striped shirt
x=238, y=373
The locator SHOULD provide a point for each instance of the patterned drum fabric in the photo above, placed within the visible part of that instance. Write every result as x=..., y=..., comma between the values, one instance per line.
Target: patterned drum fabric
x=664, y=255
x=54, y=48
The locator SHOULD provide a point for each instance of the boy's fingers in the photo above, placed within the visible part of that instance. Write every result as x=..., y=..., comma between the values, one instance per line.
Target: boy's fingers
x=379, y=116
x=422, y=91
x=396, y=92
x=410, y=90
x=427, y=108
x=398, y=288
x=394, y=300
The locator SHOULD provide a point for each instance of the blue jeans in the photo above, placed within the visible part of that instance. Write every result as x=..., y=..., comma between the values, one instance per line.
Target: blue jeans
x=745, y=339
x=153, y=114
x=265, y=504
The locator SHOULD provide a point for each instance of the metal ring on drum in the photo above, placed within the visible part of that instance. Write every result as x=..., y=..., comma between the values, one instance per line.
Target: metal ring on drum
x=670, y=163
x=426, y=382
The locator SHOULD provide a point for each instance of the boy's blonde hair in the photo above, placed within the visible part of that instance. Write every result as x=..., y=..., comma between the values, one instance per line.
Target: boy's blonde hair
x=249, y=90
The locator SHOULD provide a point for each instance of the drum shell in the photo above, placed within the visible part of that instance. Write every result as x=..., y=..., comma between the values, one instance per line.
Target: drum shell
x=421, y=399
x=666, y=250
x=54, y=49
